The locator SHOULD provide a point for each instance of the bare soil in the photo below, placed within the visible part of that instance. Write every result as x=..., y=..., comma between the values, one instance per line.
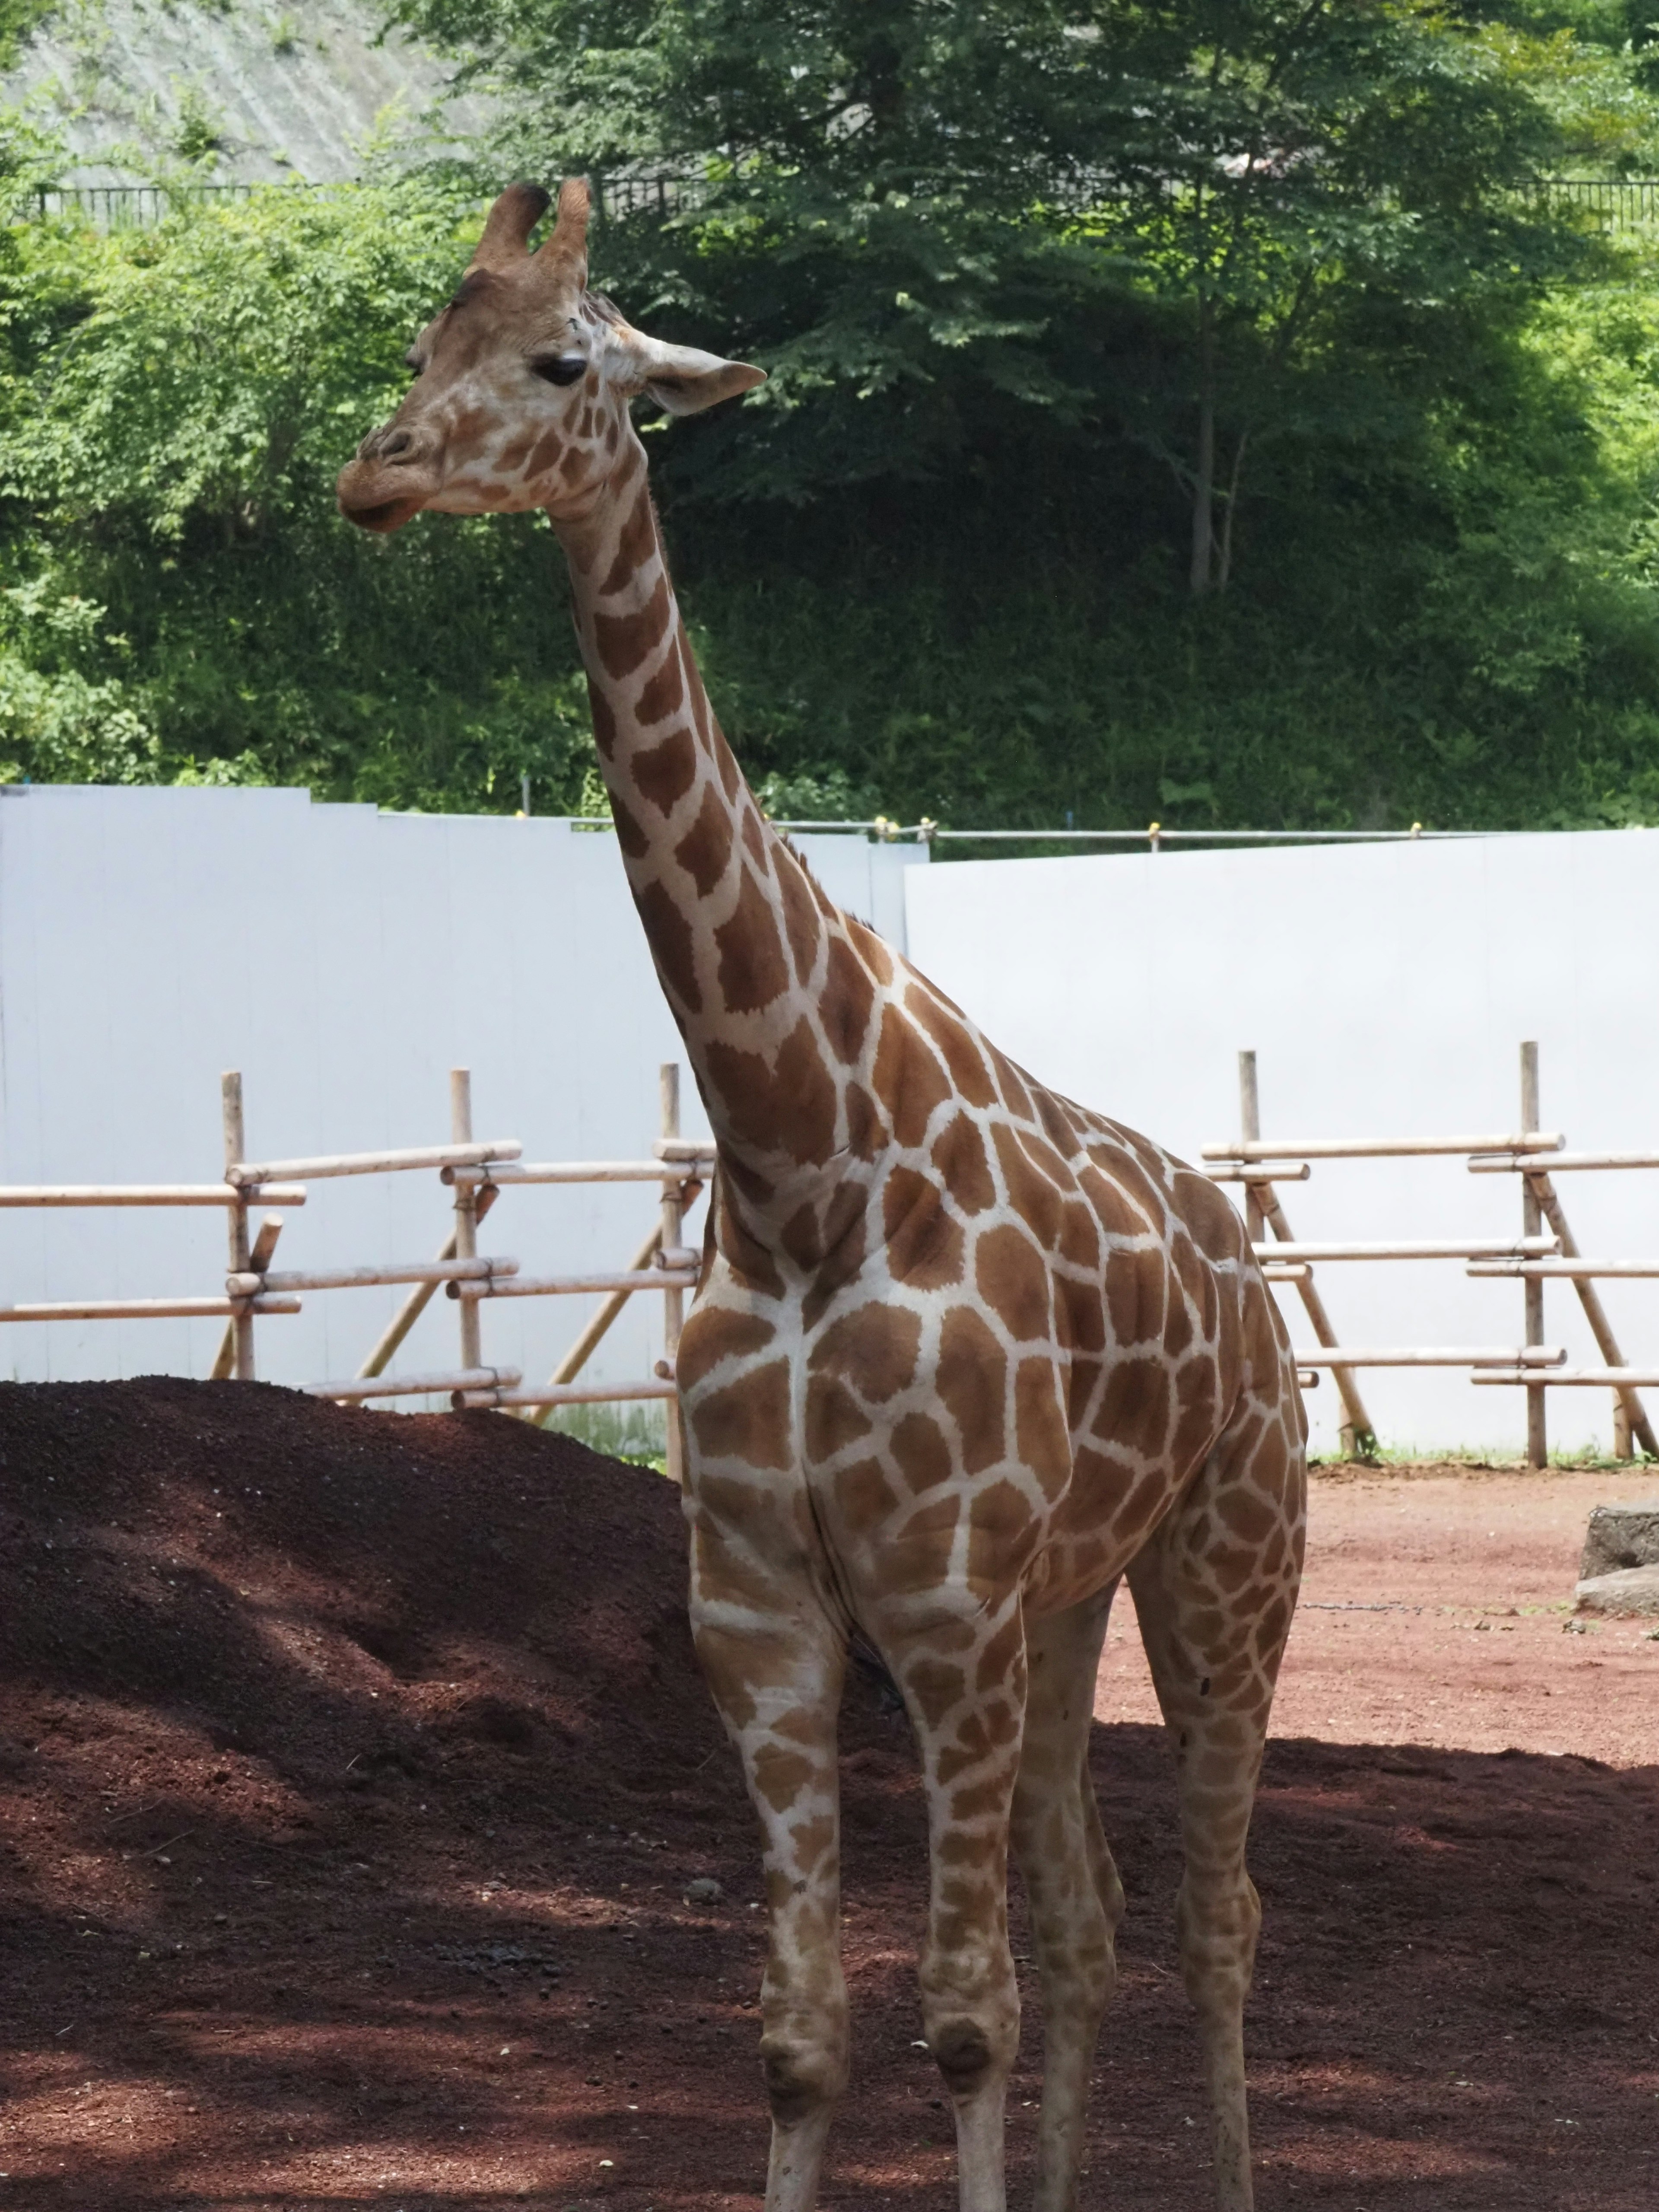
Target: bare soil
x=353, y=1766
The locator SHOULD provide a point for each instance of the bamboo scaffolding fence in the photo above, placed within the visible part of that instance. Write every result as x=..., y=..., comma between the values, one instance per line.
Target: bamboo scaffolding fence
x=1545, y=1251
x=474, y=1172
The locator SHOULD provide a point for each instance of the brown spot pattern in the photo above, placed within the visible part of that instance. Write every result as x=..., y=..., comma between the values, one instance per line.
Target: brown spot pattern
x=875, y=1346
x=752, y=971
x=622, y=642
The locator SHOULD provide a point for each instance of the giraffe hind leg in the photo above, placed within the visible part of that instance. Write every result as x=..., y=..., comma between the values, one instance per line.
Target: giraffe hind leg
x=1075, y=1896
x=1214, y=1591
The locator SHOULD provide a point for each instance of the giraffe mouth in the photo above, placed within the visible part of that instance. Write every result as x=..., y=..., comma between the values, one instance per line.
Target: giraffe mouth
x=362, y=487
x=385, y=516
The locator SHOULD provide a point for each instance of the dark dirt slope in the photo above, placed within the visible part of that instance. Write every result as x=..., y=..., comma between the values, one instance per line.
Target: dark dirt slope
x=259, y=1570
x=353, y=1768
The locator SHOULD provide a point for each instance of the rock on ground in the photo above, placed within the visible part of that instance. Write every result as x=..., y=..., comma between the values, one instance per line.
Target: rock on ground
x=1632, y=1592
x=1622, y=1536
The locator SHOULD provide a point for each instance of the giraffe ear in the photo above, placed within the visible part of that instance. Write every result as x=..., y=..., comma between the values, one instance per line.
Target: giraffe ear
x=684, y=380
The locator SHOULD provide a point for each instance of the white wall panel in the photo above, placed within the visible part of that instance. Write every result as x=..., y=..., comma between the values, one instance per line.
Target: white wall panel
x=344, y=960
x=1386, y=989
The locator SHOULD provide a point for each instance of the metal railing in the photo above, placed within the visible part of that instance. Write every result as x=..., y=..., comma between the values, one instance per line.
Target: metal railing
x=1621, y=203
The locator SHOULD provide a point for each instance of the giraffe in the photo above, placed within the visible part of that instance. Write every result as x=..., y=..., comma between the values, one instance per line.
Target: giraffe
x=964, y=1354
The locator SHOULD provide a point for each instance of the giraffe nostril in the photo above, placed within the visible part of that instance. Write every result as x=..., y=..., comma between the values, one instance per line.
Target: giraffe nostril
x=397, y=445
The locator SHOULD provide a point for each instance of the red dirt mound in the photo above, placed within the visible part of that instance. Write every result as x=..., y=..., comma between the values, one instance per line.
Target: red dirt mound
x=354, y=1768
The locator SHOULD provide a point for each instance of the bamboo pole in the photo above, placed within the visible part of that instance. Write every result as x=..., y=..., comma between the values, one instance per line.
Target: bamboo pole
x=466, y=1210
x=415, y=1305
x=1433, y=1355
x=683, y=1151
x=1596, y=1314
x=1622, y=1447
x=549, y=1400
x=1269, y=1171
x=150, y=1309
x=1515, y=1249
x=1563, y=1163
x=148, y=1193
x=1359, y=1421
x=1565, y=1270
x=583, y=1349
x=350, y=1163
x=1376, y=1148
x=1532, y=1220
x=1582, y=1378
x=554, y=1286
x=259, y=1261
x=230, y=1095
x=482, y=1272
x=559, y=1171
x=673, y=1228
x=1249, y=1106
x=415, y=1386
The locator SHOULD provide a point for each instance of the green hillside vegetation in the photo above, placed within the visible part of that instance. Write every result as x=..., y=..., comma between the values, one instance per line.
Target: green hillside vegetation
x=1192, y=411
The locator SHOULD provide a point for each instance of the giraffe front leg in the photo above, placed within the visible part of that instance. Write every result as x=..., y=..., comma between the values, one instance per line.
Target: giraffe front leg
x=776, y=1678
x=965, y=1688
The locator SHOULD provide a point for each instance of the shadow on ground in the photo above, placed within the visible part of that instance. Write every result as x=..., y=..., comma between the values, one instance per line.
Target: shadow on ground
x=354, y=1768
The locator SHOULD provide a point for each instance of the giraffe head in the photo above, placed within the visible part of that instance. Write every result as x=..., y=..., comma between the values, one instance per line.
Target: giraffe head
x=522, y=382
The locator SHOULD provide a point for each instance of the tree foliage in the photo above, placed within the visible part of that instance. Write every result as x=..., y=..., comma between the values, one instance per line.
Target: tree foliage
x=1188, y=410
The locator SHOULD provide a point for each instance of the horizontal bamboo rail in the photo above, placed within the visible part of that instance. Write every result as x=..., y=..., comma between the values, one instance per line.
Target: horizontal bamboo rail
x=353, y=1279
x=555, y=1287
x=1580, y=1378
x=1296, y=1273
x=1307, y=1378
x=1564, y=1270
x=415, y=1304
x=543, y=1171
x=148, y=1194
x=1464, y=1248
x=244, y=1173
x=1375, y=1148
x=1512, y=1164
x=594, y=1333
x=148, y=1309
x=1269, y=1171
x=416, y=1386
x=1530, y=1355
x=687, y=1151
x=567, y=1394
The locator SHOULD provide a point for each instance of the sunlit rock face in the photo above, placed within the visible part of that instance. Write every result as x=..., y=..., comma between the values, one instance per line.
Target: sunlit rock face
x=256, y=94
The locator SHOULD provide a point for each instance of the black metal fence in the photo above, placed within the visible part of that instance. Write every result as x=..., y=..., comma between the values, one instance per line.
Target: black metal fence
x=1619, y=203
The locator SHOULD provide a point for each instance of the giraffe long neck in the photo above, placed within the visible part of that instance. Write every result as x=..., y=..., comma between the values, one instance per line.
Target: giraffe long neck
x=752, y=957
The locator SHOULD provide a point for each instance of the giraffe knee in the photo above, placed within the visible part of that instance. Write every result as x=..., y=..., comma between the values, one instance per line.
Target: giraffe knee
x=803, y=2073
x=1217, y=1923
x=961, y=2051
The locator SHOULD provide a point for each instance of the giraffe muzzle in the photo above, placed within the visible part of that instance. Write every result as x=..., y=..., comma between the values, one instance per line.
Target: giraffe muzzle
x=391, y=480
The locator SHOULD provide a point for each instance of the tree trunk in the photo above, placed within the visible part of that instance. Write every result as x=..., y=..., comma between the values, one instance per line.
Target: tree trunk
x=1225, y=562
x=1199, y=574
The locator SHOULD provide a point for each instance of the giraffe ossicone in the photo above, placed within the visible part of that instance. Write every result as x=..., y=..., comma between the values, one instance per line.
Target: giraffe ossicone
x=964, y=1354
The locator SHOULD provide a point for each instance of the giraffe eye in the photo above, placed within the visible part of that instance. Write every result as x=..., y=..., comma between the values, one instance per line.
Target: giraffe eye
x=560, y=367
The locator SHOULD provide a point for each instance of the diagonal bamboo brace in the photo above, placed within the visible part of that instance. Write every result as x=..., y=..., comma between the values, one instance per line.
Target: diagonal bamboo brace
x=1263, y=1209
x=1594, y=1312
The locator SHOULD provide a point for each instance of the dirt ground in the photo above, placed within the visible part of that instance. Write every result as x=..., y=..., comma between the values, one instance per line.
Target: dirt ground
x=1437, y=1608
x=354, y=1765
